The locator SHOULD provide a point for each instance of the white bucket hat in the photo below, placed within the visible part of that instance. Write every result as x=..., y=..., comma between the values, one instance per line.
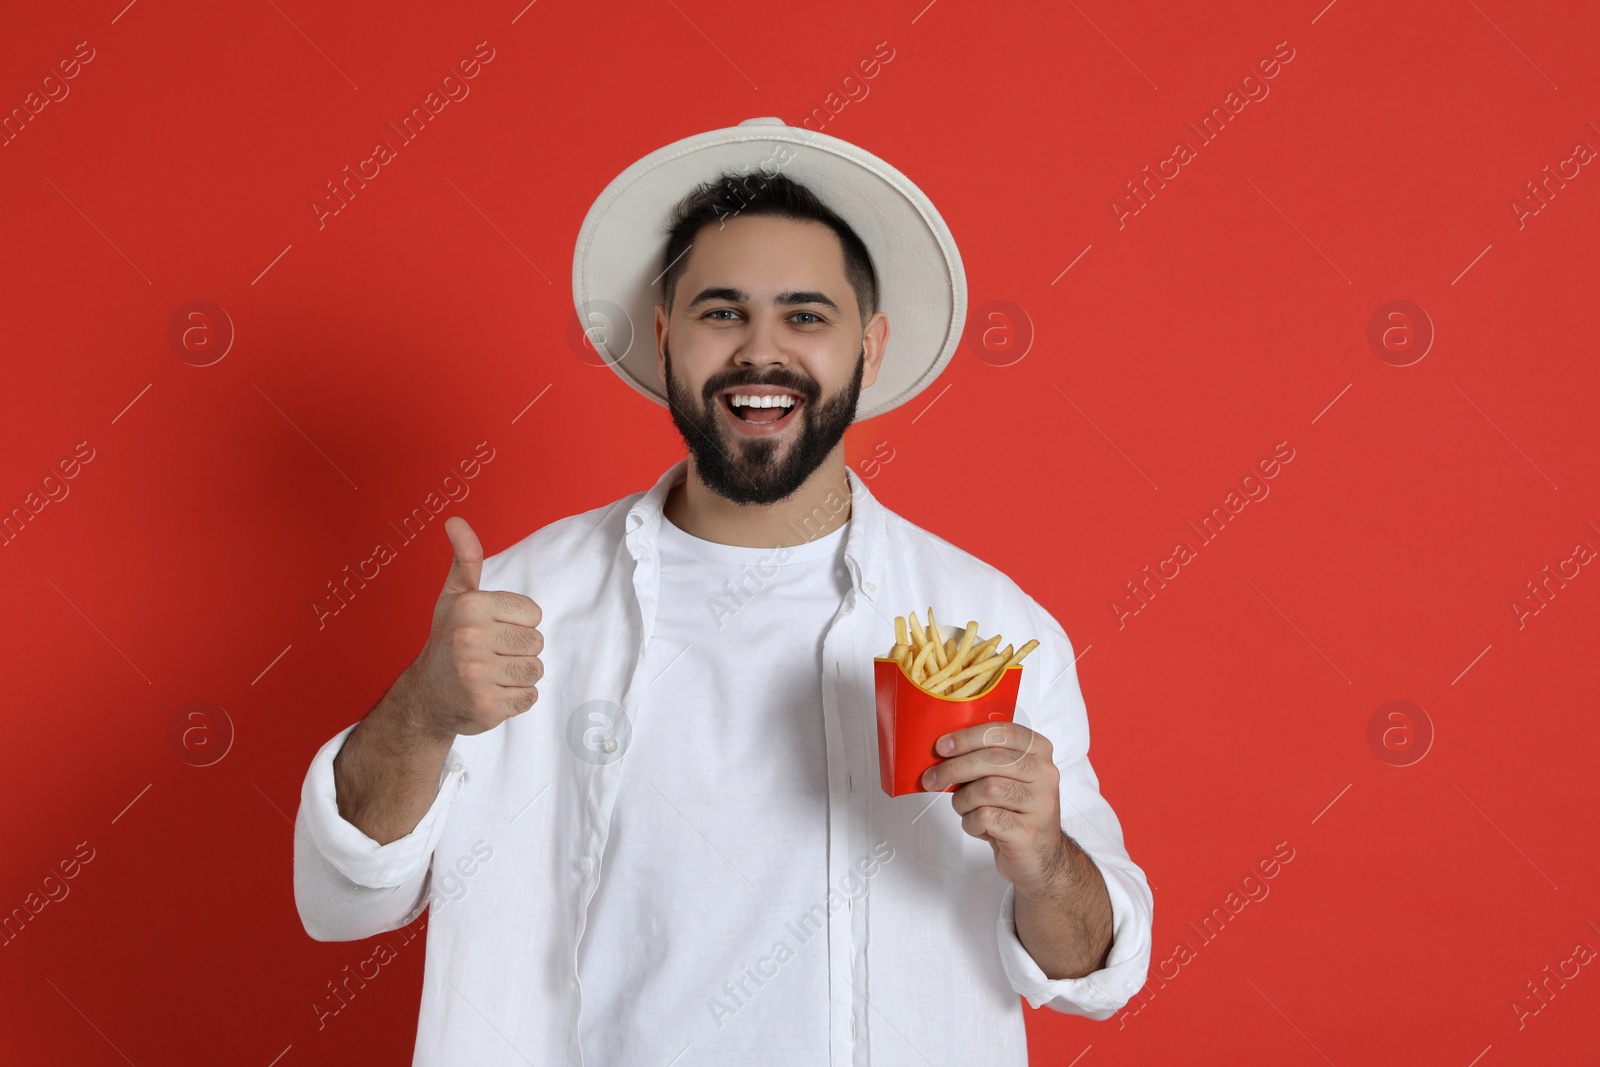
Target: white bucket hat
x=617, y=263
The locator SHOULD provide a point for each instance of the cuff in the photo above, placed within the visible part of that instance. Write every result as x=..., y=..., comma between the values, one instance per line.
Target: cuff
x=350, y=851
x=1099, y=994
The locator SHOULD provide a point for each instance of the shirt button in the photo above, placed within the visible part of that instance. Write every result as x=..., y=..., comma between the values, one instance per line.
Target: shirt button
x=586, y=864
x=572, y=983
x=455, y=766
x=869, y=587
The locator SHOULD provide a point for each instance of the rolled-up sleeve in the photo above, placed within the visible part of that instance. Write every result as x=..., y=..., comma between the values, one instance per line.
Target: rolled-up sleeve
x=1089, y=820
x=1099, y=994
x=346, y=885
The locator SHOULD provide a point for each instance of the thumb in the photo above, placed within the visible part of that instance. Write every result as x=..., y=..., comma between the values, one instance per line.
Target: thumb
x=467, y=564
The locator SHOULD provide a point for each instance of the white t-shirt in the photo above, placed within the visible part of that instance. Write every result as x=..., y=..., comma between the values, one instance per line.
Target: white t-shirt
x=722, y=813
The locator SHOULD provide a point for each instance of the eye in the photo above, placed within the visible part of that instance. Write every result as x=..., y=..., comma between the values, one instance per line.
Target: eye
x=718, y=311
x=813, y=314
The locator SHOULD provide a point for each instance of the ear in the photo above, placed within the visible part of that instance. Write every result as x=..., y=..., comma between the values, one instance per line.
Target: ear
x=661, y=343
x=875, y=338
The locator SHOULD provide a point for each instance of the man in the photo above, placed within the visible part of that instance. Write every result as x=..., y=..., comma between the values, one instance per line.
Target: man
x=673, y=847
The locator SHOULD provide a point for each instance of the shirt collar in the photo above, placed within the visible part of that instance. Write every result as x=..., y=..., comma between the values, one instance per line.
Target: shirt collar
x=862, y=550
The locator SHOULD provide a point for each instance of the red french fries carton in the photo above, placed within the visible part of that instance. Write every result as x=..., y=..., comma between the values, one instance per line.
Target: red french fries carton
x=911, y=719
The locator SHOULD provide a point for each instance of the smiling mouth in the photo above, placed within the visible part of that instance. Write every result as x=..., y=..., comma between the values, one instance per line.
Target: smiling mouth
x=759, y=416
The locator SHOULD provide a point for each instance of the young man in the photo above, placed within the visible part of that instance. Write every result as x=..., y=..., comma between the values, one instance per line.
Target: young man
x=673, y=847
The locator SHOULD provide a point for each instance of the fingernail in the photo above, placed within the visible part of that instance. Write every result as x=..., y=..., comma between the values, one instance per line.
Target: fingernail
x=946, y=744
x=927, y=778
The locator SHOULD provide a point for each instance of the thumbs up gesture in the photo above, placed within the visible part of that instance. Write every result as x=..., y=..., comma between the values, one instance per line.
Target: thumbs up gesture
x=481, y=661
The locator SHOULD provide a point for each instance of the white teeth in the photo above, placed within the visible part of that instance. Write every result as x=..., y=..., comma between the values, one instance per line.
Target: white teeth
x=741, y=400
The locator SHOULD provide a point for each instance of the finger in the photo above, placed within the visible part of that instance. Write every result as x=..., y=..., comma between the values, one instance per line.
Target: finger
x=997, y=791
x=518, y=699
x=476, y=614
x=517, y=672
x=514, y=608
x=494, y=610
x=467, y=564
x=999, y=825
x=983, y=735
x=513, y=640
x=495, y=606
x=996, y=762
x=508, y=620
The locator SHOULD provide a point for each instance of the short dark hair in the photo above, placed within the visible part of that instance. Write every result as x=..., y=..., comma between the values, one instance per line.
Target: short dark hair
x=762, y=194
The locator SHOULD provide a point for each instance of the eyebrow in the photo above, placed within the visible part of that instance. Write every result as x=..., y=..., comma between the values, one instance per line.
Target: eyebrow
x=784, y=299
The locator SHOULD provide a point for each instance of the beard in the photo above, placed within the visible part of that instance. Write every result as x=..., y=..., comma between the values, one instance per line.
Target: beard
x=751, y=470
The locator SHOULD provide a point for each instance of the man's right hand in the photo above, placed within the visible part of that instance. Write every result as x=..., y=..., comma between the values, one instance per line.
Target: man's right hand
x=481, y=662
x=477, y=670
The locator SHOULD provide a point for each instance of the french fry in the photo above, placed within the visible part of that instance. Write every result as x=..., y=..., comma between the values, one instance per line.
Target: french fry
x=986, y=649
x=936, y=679
x=919, y=666
x=933, y=636
x=957, y=662
x=965, y=644
x=956, y=667
x=981, y=668
x=976, y=684
x=1023, y=651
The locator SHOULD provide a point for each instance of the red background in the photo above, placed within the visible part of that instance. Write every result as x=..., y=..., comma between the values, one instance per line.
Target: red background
x=1229, y=314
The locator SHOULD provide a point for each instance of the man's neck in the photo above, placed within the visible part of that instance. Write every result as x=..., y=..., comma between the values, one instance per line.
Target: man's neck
x=820, y=506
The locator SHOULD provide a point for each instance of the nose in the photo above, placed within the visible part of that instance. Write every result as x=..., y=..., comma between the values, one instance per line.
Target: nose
x=761, y=347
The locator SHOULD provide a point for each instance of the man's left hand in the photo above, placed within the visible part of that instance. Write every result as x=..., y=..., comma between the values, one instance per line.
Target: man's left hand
x=1011, y=799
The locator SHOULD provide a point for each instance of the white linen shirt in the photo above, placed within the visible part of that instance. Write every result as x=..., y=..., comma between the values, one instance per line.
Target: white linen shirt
x=508, y=852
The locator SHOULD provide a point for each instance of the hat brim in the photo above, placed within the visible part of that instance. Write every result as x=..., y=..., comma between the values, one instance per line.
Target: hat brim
x=617, y=263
